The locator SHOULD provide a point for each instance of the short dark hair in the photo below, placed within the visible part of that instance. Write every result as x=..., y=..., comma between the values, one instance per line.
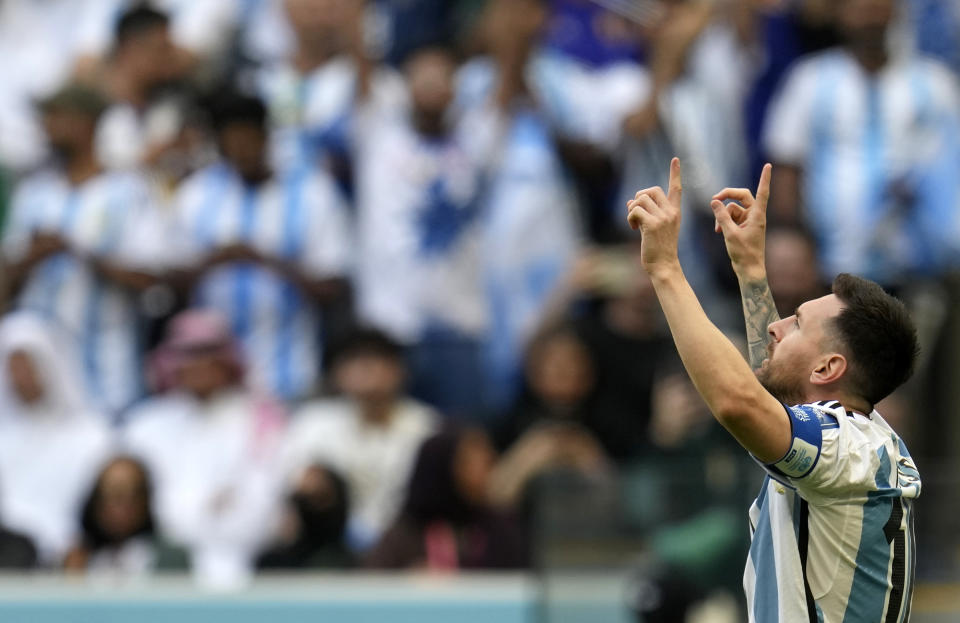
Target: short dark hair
x=364, y=341
x=878, y=334
x=233, y=107
x=138, y=20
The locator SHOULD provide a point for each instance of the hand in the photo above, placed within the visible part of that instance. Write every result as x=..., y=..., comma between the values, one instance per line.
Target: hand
x=657, y=216
x=45, y=244
x=744, y=225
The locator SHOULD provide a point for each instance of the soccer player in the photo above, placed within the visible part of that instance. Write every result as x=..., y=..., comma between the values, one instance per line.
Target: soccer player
x=832, y=527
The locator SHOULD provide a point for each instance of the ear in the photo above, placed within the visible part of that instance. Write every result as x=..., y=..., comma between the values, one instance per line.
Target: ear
x=829, y=369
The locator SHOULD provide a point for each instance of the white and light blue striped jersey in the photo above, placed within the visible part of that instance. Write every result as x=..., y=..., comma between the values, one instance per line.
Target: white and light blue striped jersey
x=112, y=216
x=310, y=114
x=300, y=218
x=832, y=528
x=879, y=154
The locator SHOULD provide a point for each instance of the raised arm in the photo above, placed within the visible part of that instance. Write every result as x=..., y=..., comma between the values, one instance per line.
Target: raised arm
x=744, y=226
x=722, y=377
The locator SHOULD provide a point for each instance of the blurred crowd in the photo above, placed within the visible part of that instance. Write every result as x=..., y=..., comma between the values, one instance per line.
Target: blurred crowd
x=346, y=283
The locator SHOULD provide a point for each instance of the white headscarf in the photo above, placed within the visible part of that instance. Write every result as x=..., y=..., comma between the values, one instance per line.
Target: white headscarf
x=50, y=451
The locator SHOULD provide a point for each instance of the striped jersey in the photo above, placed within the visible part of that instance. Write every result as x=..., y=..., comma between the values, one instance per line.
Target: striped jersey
x=114, y=217
x=879, y=155
x=298, y=217
x=832, y=527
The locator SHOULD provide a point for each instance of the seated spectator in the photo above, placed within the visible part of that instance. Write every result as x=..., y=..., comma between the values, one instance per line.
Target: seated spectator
x=265, y=248
x=119, y=537
x=314, y=528
x=447, y=522
x=549, y=429
x=618, y=318
x=370, y=434
x=80, y=243
x=211, y=444
x=51, y=439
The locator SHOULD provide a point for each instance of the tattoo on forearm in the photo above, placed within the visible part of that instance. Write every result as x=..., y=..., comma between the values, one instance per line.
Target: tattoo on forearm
x=758, y=311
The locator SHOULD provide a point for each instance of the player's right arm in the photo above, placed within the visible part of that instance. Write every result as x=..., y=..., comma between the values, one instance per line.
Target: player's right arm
x=744, y=226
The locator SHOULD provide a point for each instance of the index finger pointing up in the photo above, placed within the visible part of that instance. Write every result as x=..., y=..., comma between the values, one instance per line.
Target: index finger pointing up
x=675, y=191
x=763, y=188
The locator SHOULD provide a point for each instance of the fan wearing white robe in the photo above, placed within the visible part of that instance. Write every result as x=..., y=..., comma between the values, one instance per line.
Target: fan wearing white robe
x=52, y=443
x=211, y=445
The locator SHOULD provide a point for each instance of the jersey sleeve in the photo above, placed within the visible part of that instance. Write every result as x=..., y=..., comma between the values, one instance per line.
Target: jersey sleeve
x=823, y=463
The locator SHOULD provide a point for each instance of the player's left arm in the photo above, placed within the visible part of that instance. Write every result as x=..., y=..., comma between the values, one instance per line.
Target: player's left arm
x=722, y=377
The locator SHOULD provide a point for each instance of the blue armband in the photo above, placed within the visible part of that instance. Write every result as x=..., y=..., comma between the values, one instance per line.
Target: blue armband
x=805, y=443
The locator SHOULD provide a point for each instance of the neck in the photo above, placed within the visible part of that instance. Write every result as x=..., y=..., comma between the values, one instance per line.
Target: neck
x=430, y=125
x=123, y=87
x=308, y=57
x=377, y=412
x=872, y=58
x=849, y=403
x=82, y=166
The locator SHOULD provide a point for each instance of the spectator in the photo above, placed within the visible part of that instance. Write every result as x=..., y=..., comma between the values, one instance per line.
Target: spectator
x=51, y=440
x=447, y=522
x=584, y=107
x=212, y=445
x=37, y=46
x=420, y=273
x=119, y=537
x=310, y=95
x=865, y=140
x=370, y=434
x=81, y=242
x=314, y=530
x=619, y=320
x=549, y=429
x=265, y=248
x=143, y=124
x=792, y=269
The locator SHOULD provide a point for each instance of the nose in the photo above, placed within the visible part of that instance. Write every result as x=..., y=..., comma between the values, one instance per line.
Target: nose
x=778, y=329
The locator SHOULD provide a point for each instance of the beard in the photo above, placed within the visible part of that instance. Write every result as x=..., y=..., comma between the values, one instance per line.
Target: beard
x=780, y=383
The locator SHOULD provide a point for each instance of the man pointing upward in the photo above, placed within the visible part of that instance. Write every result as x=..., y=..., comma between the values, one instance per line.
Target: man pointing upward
x=832, y=526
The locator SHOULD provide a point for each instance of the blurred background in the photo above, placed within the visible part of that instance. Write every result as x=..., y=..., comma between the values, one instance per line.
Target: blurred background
x=329, y=307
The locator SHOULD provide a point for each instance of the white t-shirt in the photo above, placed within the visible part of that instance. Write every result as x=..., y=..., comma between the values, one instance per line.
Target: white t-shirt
x=375, y=460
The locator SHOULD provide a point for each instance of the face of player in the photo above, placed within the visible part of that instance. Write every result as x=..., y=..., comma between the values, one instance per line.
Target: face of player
x=24, y=377
x=798, y=345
